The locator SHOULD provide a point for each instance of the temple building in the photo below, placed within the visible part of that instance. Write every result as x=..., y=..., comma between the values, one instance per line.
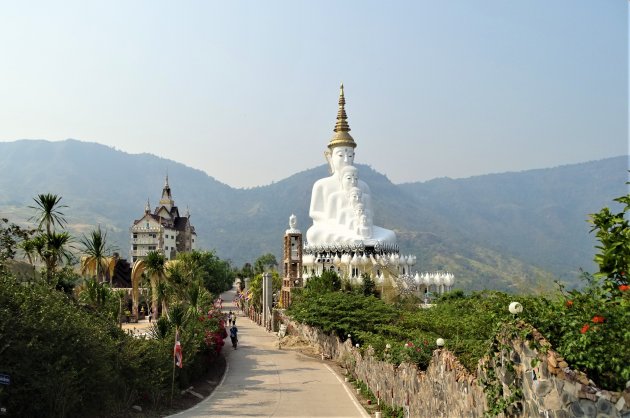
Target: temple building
x=163, y=230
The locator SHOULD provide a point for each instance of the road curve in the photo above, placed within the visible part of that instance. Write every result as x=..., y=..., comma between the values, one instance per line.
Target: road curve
x=262, y=381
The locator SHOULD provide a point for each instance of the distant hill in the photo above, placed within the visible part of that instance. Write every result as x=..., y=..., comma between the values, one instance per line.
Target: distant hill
x=511, y=231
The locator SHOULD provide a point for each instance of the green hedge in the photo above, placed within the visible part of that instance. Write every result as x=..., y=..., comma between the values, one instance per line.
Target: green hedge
x=66, y=360
x=469, y=324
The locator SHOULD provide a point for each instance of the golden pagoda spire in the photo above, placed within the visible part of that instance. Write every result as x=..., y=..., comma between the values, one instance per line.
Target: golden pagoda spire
x=342, y=138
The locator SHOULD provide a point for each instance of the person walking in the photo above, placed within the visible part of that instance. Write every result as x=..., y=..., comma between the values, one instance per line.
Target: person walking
x=234, y=336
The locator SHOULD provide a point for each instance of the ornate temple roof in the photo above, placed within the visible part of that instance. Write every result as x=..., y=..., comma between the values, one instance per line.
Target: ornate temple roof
x=342, y=137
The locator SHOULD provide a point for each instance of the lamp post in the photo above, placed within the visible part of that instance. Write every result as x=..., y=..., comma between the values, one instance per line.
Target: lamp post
x=515, y=308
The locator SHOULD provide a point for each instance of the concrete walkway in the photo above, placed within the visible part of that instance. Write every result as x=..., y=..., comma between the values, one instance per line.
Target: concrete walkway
x=262, y=381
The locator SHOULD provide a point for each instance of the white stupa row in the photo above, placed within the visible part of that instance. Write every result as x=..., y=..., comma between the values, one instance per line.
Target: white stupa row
x=356, y=260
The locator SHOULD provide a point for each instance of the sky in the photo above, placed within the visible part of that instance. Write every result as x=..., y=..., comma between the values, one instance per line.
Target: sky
x=247, y=90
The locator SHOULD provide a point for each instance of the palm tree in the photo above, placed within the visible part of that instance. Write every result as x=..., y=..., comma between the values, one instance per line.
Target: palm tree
x=197, y=296
x=28, y=246
x=97, y=252
x=177, y=280
x=155, y=268
x=177, y=318
x=48, y=212
x=94, y=294
x=53, y=249
x=163, y=291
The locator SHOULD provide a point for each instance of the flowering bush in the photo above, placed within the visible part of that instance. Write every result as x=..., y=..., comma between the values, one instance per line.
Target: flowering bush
x=589, y=328
x=212, y=327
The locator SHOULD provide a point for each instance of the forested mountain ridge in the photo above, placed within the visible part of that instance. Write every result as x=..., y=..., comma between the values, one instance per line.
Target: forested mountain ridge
x=504, y=231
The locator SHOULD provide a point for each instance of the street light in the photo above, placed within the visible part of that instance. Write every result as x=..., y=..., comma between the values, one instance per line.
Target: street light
x=515, y=308
x=440, y=342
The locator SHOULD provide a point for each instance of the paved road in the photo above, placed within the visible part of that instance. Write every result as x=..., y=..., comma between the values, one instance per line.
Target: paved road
x=262, y=381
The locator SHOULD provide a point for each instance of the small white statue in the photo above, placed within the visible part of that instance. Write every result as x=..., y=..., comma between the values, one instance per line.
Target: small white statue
x=292, y=225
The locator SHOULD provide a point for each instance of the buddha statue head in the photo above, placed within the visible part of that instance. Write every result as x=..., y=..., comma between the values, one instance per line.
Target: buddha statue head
x=355, y=195
x=349, y=177
x=341, y=147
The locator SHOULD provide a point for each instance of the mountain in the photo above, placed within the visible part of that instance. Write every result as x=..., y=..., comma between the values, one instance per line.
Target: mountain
x=511, y=231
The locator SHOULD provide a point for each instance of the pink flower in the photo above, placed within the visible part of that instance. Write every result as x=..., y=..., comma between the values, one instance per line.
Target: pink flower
x=624, y=287
x=585, y=328
x=569, y=303
x=598, y=319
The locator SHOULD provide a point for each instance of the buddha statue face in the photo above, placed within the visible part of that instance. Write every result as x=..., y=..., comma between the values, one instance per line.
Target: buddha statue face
x=355, y=195
x=341, y=157
x=349, y=177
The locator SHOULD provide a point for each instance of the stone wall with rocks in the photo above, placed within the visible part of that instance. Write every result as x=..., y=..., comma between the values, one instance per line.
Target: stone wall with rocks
x=446, y=389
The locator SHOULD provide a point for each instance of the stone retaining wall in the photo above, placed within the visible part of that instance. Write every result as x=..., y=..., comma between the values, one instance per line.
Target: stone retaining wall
x=446, y=389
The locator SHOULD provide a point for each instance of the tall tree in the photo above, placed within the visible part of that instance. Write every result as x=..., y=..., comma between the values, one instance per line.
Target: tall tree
x=53, y=249
x=613, y=233
x=155, y=268
x=47, y=211
x=216, y=275
x=10, y=237
x=96, y=252
x=264, y=262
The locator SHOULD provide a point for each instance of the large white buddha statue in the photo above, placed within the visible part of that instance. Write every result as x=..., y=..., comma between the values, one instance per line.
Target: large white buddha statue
x=336, y=200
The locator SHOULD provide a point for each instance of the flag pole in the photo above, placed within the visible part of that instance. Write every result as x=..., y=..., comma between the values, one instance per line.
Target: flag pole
x=173, y=380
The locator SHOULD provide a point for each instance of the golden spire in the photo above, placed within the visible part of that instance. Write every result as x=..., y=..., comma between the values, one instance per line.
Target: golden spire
x=342, y=138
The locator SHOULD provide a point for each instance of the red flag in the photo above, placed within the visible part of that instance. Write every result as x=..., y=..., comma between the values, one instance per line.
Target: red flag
x=177, y=352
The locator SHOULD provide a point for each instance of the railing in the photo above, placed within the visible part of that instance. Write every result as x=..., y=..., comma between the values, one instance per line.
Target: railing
x=145, y=241
x=141, y=229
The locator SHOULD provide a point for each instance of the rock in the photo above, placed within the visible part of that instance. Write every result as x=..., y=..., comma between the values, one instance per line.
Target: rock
x=589, y=408
x=137, y=408
x=563, y=364
x=555, y=370
x=620, y=404
x=515, y=357
x=551, y=360
x=571, y=388
x=559, y=385
x=581, y=377
x=528, y=351
x=568, y=398
x=552, y=401
x=542, y=388
x=604, y=406
x=576, y=410
x=561, y=413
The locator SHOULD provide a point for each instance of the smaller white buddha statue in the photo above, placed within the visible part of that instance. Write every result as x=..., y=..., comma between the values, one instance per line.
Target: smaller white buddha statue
x=363, y=229
x=292, y=225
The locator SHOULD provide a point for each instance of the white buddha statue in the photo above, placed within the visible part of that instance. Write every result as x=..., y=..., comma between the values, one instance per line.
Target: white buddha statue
x=292, y=225
x=332, y=196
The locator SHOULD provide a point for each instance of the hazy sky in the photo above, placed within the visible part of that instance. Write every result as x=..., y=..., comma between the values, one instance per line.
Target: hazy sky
x=247, y=90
